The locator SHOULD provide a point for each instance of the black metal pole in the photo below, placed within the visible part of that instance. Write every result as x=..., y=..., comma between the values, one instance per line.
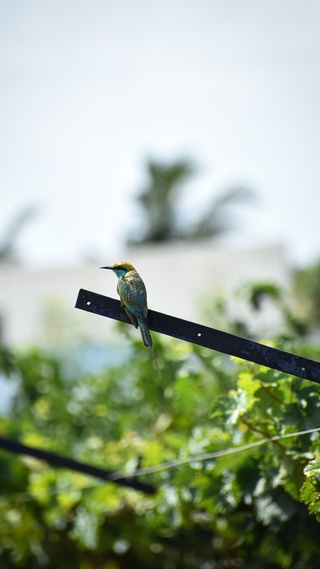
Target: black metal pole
x=207, y=337
x=60, y=461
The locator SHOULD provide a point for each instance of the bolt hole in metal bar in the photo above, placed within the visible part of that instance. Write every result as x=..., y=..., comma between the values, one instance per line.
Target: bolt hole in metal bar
x=207, y=337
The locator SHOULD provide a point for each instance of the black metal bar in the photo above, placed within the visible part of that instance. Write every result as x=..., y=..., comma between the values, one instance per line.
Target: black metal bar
x=64, y=462
x=207, y=337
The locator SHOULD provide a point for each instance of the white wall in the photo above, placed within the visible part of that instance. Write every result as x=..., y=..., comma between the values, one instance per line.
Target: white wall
x=38, y=305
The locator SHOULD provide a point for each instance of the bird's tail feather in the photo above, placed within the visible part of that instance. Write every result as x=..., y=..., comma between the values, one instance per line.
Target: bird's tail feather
x=145, y=333
x=155, y=360
x=147, y=340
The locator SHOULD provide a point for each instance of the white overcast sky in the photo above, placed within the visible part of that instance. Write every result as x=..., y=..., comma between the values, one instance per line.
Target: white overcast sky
x=91, y=88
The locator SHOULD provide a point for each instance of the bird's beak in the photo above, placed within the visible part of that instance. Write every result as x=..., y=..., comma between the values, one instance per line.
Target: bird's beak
x=106, y=268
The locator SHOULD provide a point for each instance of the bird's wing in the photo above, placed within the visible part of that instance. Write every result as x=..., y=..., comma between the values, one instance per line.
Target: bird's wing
x=133, y=295
x=130, y=315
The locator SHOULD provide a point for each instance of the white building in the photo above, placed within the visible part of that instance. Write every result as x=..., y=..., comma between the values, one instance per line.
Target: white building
x=37, y=306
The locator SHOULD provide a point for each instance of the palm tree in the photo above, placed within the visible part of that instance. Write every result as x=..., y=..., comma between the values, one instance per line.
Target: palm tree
x=160, y=201
x=218, y=218
x=8, y=242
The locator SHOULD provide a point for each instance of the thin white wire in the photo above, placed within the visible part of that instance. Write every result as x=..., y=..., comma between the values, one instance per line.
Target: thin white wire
x=210, y=455
x=175, y=463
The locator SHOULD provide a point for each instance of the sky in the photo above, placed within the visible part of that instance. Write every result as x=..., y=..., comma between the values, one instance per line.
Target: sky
x=91, y=89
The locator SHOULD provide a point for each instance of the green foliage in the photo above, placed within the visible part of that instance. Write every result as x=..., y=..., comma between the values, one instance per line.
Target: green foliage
x=310, y=491
x=307, y=293
x=244, y=492
x=254, y=296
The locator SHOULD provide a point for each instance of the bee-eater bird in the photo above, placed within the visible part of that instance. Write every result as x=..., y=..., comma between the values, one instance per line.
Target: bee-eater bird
x=133, y=299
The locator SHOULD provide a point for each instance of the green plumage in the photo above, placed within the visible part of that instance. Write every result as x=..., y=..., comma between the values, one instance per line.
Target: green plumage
x=133, y=298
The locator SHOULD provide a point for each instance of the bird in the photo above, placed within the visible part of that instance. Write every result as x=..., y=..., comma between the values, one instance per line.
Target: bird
x=133, y=299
